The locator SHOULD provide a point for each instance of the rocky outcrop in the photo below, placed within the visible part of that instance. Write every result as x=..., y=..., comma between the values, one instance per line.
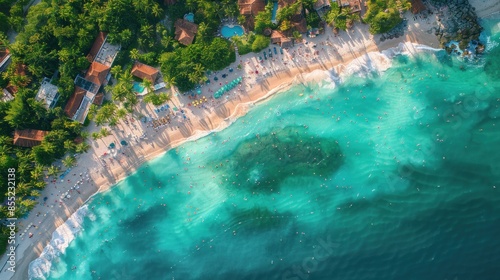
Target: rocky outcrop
x=398, y=31
x=457, y=21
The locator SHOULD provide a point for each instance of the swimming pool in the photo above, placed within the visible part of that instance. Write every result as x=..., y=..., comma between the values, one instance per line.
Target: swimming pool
x=138, y=88
x=189, y=17
x=275, y=9
x=229, y=31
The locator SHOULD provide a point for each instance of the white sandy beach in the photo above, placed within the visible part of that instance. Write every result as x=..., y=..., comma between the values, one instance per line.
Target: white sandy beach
x=100, y=168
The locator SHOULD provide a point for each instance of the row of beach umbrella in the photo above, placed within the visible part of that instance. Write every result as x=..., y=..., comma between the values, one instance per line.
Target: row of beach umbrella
x=227, y=87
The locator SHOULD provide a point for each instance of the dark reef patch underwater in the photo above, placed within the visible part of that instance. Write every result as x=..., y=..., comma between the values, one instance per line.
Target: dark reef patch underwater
x=263, y=163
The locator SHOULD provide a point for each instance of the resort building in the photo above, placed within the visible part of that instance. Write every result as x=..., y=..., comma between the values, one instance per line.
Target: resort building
x=20, y=70
x=354, y=5
x=4, y=58
x=249, y=9
x=29, y=137
x=6, y=95
x=185, y=31
x=322, y=5
x=143, y=71
x=48, y=94
x=97, y=76
x=279, y=38
x=98, y=43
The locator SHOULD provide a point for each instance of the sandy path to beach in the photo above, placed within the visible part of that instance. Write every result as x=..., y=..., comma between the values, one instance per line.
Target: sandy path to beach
x=145, y=142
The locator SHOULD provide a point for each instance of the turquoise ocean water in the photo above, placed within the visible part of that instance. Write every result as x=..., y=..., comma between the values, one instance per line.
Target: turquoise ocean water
x=388, y=176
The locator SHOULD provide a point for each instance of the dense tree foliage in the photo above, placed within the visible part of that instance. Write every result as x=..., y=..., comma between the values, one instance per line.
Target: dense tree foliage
x=341, y=18
x=251, y=43
x=185, y=67
x=383, y=15
x=263, y=19
x=156, y=99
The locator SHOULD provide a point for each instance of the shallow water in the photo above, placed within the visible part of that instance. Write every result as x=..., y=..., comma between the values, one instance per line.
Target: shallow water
x=392, y=175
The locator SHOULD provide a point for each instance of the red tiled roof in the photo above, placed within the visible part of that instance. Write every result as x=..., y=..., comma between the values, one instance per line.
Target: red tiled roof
x=3, y=54
x=11, y=89
x=74, y=102
x=185, y=31
x=276, y=37
x=29, y=137
x=320, y=4
x=251, y=7
x=355, y=5
x=97, y=73
x=99, y=41
x=143, y=71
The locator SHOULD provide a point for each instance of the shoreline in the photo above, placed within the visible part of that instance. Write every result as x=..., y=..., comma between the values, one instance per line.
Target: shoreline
x=201, y=123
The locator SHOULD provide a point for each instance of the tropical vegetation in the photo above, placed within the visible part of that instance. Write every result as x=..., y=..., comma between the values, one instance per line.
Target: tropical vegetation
x=384, y=15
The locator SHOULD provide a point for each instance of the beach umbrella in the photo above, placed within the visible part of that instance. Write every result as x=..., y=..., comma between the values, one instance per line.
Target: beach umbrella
x=112, y=145
x=124, y=143
x=198, y=91
x=230, y=69
x=216, y=79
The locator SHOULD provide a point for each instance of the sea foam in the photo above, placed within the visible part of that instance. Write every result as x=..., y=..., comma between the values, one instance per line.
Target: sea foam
x=61, y=238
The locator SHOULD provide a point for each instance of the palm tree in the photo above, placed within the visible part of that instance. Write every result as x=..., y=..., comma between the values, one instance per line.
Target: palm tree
x=134, y=54
x=96, y=136
x=146, y=30
x=166, y=41
x=39, y=184
x=297, y=35
x=171, y=80
x=23, y=189
x=53, y=170
x=121, y=113
x=148, y=85
x=34, y=193
x=202, y=31
x=191, y=5
x=198, y=69
x=69, y=145
x=84, y=135
x=156, y=10
x=193, y=77
x=104, y=132
x=126, y=77
x=4, y=149
x=116, y=70
x=69, y=161
x=37, y=172
x=82, y=147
